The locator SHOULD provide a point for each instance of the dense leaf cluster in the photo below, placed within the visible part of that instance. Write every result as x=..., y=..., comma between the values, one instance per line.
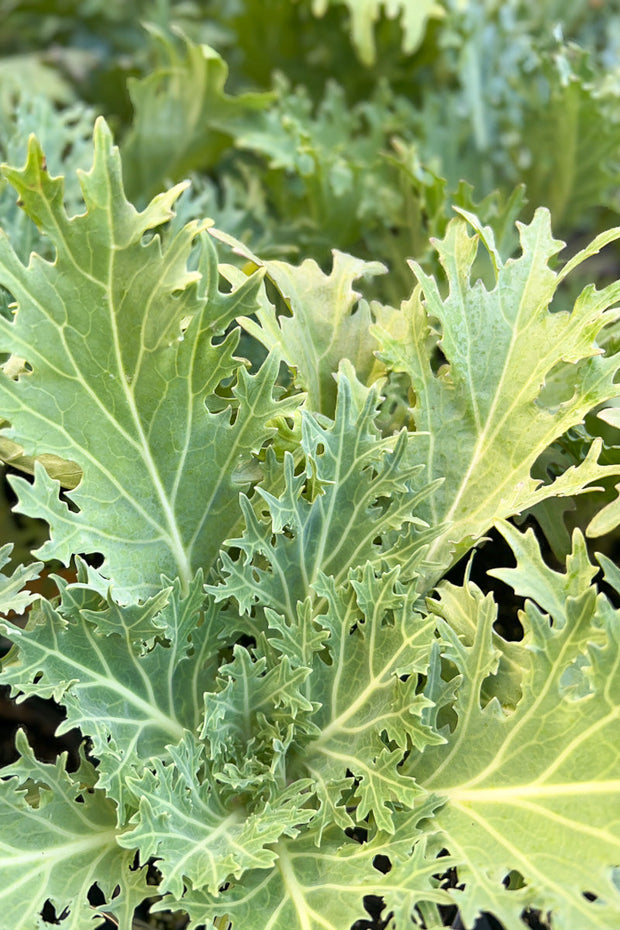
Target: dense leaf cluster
x=269, y=419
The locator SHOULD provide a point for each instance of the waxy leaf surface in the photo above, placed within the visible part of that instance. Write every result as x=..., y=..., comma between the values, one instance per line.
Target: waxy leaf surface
x=550, y=768
x=183, y=822
x=119, y=336
x=183, y=118
x=130, y=705
x=356, y=502
x=323, y=888
x=57, y=838
x=483, y=415
x=369, y=712
x=322, y=329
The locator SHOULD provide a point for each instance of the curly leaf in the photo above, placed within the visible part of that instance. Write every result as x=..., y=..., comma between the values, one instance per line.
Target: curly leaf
x=322, y=329
x=483, y=414
x=59, y=838
x=131, y=706
x=183, y=822
x=532, y=577
x=249, y=689
x=122, y=366
x=357, y=505
x=323, y=888
x=575, y=142
x=548, y=769
x=13, y=596
x=369, y=712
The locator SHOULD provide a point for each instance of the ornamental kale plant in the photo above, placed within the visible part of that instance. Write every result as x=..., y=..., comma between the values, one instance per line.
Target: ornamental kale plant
x=271, y=479
x=280, y=711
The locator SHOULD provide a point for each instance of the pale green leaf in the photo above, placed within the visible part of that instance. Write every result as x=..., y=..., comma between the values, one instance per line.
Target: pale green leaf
x=611, y=570
x=527, y=787
x=138, y=623
x=610, y=415
x=27, y=73
x=182, y=821
x=607, y=519
x=369, y=712
x=299, y=639
x=323, y=328
x=574, y=142
x=130, y=705
x=462, y=607
x=356, y=503
x=183, y=118
x=412, y=15
x=122, y=367
x=323, y=888
x=249, y=689
x=533, y=578
x=331, y=180
x=483, y=414
x=66, y=136
x=13, y=596
x=58, y=837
